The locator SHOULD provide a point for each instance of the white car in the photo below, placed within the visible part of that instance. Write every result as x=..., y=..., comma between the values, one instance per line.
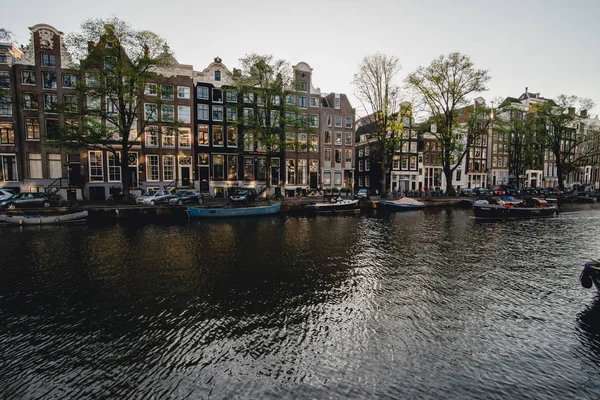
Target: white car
x=154, y=197
x=5, y=194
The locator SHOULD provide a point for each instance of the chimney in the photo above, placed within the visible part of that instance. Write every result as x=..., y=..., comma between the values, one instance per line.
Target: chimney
x=526, y=89
x=584, y=114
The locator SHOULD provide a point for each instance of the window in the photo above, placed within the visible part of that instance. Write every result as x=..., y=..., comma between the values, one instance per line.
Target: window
x=48, y=60
x=328, y=120
x=150, y=112
x=52, y=129
x=338, y=156
x=360, y=166
x=167, y=113
x=248, y=169
x=302, y=172
x=303, y=120
x=367, y=181
x=168, y=137
x=151, y=136
x=232, y=137
x=183, y=92
x=361, y=152
x=114, y=166
x=327, y=155
x=348, y=156
x=49, y=80
x=28, y=77
x=70, y=103
x=203, y=112
x=290, y=99
x=72, y=127
x=413, y=163
x=35, y=165
x=327, y=138
x=231, y=96
x=168, y=168
x=338, y=121
x=327, y=178
x=50, y=103
x=302, y=141
x=203, y=159
x=152, y=168
x=150, y=89
x=185, y=138
x=3, y=59
x=314, y=120
x=361, y=181
x=337, y=178
x=338, y=138
x=337, y=102
x=8, y=168
x=367, y=150
x=5, y=106
x=202, y=93
x=302, y=102
x=232, y=167
x=367, y=165
x=4, y=79
x=54, y=166
x=217, y=75
x=291, y=172
x=302, y=86
x=69, y=80
x=248, y=97
x=217, y=113
x=217, y=96
x=248, y=141
x=217, y=135
x=396, y=162
x=348, y=122
x=314, y=142
x=248, y=115
x=348, y=139
x=166, y=92
x=33, y=128
x=183, y=114
x=231, y=114
x=95, y=161
x=203, y=135
x=30, y=101
x=290, y=141
x=218, y=171
x=261, y=170
x=314, y=102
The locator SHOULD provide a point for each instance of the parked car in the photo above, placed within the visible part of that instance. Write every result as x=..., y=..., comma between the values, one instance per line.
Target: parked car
x=466, y=192
x=362, y=193
x=154, y=197
x=531, y=191
x=243, y=195
x=498, y=191
x=187, y=197
x=479, y=191
x=556, y=191
x=26, y=199
x=5, y=194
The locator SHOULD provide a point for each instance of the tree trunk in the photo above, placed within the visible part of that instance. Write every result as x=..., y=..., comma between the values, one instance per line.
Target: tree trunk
x=124, y=169
x=383, y=180
x=268, y=182
x=448, y=175
x=559, y=174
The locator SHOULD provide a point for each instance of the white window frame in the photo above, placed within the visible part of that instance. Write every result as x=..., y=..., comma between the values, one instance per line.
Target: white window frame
x=154, y=113
x=171, y=176
x=207, y=132
x=113, y=169
x=34, y=163
x=187, y=114
x=149, y=166
x=150, y=89
x=201, y=89
x=98, y=157
x=214, y=110
x=183, y=92
x=183, y=134
x=152, y=135
x=203, y=110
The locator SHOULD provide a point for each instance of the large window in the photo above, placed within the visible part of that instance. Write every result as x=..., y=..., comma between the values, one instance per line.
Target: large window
x=203, y=112
x=48, y=60
x=232, y=136
x=8, y=168
x=338, y=121
x=217, y=135
x=185, y=138
x=30, y=101
x=167, y=113
x=150, y=112
x=327, y=154
x=69, y=80
x=314, y=120
x=96, y=171
x=183, y=114
x=202, y=93
x=35, y=165
x=152, y=168
x=231, y=96
x=168, y=137
x=49, y=80
x=183, y=92
x=291, y=172
x=338, y=156
x=28, y=77
x=114, y=167
x=203, y=135
x=248, y=169
x=33, y=128
x=338, y=138
x=151, y=136
x=217, y=96
x=54, y=166
x=337, y=178
x=313, y=144
x=290, y=141
x=5, y=105
x=217, y=113
x=166, y=92
x=168, y=168
x=302, y=103
x=151, y=89
x=348, y=156
x=70, y=103
x=314, y=102
x=327, y=138
x=327, y=178
x=231, y=114
x=248, y=141
x=232, y=167
x=52, y=129
x=4, y=79
x=302, y=142
x=51, y=103
x=302, y=175
x=218, y=171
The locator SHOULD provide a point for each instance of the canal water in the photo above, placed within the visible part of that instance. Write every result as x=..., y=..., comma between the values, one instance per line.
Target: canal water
x=421, y=305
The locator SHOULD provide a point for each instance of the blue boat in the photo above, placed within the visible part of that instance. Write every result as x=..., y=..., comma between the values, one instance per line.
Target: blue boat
x=229, y=211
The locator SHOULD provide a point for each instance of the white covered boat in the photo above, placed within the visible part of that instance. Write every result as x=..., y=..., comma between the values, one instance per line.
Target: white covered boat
x=44, y=219
x=403, y=204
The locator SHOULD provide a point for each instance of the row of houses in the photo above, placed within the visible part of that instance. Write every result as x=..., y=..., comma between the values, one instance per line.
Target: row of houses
x=208, y=152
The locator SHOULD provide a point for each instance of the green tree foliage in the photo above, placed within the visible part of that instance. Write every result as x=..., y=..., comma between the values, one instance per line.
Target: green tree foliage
x=445, y=86
x=381, y=99
x=115, y=63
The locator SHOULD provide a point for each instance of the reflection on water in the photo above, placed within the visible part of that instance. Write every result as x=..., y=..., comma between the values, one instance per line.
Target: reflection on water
x=407, y=305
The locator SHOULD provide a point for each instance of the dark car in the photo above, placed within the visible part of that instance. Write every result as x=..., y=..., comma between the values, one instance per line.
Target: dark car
x=362, y=193
x=243, y=195
x=26, y=199
x=187, y=197
x=529, y=191
x=556, y=191
x=479, y=191
x=466, y=192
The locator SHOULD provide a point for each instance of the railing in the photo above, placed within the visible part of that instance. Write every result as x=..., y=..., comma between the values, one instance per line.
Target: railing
x=171, y=185
x=53, y=186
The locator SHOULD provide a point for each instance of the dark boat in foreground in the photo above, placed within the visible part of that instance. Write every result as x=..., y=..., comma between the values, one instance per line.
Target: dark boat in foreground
x=333, y=205
x=590, y=275
x=532, y=208
x=211, y=212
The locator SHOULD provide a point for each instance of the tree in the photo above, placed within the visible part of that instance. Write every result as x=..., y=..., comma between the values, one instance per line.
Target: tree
x=6, y=35
x=445, y=86
x=264, y=84
x=115, y=63
x=556, y=127
x=381, y=100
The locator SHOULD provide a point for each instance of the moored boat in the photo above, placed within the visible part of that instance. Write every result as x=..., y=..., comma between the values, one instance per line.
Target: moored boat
x=403, y=204
x=44, y=219
x=590, y=274
x=232, y=211
x=534, y=208
x=333, y=205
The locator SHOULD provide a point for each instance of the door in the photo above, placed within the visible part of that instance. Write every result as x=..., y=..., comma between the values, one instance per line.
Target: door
x=75, y=178
x=204, y=179
x=313, y=180
x=185, y=176
x=97, y=193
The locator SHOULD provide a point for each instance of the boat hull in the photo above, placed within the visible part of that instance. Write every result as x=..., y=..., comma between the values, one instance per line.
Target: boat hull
x=493, y=211
x=392, y=206
x=44, y=220
x=341, y=207
x=227, y=212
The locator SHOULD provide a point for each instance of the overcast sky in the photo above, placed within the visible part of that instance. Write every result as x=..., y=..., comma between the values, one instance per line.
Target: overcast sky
x=549, y=46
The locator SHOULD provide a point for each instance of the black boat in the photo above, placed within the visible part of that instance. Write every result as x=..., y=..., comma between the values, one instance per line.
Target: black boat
x=334, y=205
x=590, y=274
x=532, y=208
